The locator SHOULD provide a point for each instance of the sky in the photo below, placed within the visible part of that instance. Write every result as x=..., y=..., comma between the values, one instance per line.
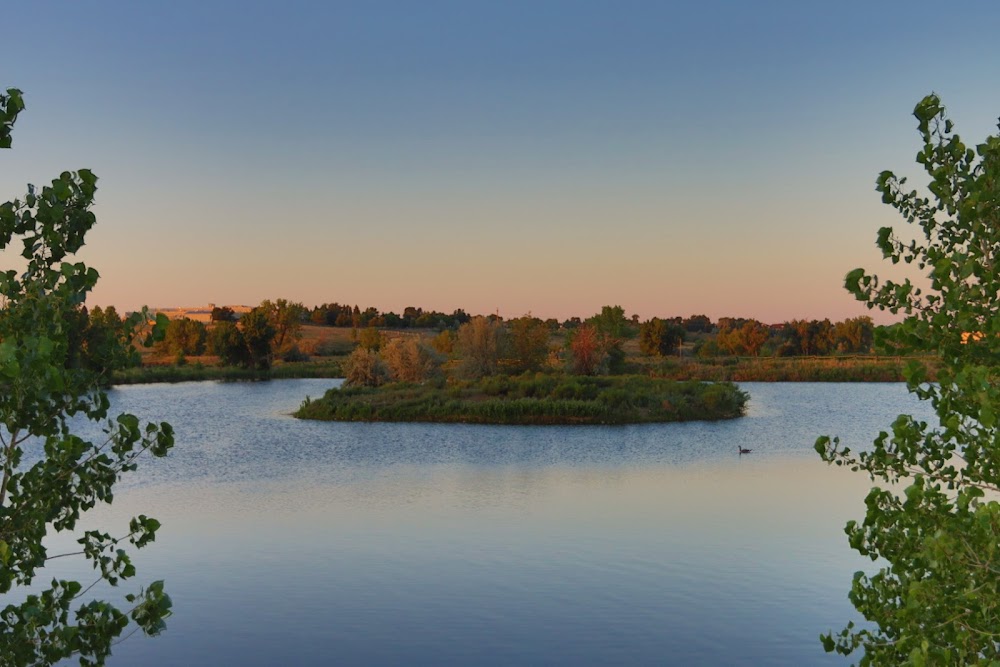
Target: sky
x=545, y=156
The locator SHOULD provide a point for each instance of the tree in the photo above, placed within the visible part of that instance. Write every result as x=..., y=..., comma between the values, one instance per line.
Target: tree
x=364, y=368
x=936, y=599
x=409, y=360
x=854, y=335
x=258, y=334
x=481, y=341
x=185, y=336
x=227, y=341
x=754, y=335
x=660, y=338
x=223, y=314
x=103, y=332
x=444, y=342
x=611, y=322
x=587, y=349
x=285, y=319
x=370, y=339
x=747, y=338
x=529, y=343
x=697, y=323
x=50, y=475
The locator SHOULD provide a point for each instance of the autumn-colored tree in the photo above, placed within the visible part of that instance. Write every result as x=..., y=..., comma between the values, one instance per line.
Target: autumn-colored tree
x=753, y=336
x=409, y=360
x=481, y=342
x=729, y=339
x=365, y=368
x=529, y=343
x=369, y=338
x=855, y=335
x=444, y=342
x=587, y=350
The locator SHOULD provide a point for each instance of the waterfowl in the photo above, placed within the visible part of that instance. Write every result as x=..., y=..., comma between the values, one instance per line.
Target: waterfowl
x=743, y=450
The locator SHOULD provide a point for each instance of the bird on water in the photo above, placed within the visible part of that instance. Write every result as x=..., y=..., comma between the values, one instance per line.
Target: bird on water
x=743, y=450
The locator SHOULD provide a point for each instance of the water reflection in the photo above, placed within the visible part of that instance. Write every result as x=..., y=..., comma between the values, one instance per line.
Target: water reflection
x=314, y=543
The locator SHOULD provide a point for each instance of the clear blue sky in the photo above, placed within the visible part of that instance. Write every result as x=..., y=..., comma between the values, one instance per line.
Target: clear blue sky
x=552, y=157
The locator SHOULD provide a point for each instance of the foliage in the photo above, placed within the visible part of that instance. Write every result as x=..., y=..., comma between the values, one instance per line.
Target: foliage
x=185, y=336
x=612, y=323
x=748, y=338
x=588, y=351
x=697, y=323
x=660, y=338
x=936, y=599
x=529, y=343
x=409, y=360
x=370, y=339
x=285, y=318
x=102, y=340
x=223, y=314
x=227, y=341
x=258, y=336
x=365, y=368
x=854, y=335
x=11, y=104
x=533, y=399
x=481, y=342
x=808, y=337
x=444, y=342
x=50, y=475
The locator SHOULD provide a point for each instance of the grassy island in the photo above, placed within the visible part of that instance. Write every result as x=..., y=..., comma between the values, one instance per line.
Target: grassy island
x=532, y=399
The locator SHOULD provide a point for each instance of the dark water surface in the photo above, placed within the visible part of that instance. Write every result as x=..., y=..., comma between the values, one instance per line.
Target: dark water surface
x=307, y=543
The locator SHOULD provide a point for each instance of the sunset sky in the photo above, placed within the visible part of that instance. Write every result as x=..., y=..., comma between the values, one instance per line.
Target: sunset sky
x=543, y=156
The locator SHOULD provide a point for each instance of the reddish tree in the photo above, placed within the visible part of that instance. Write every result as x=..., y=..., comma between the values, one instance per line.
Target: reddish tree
x=587, y=350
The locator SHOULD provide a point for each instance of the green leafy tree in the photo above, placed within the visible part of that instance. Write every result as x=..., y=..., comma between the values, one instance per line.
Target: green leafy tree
x=285, y=318
x=223, y=314
x=660, y=338
x=934, y=520
x=612, y=323
x=185, y=336
x=529, y=343
x=50, y=475
x=227, y=341
x=258, y=334
x=104, y=336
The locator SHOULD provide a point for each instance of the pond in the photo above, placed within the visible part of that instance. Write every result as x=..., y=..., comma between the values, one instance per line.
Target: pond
x=316, y=543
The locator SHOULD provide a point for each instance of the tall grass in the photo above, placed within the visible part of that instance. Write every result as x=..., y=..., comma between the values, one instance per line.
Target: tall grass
x=533, y=399
x=790, y=369
x=196, y=372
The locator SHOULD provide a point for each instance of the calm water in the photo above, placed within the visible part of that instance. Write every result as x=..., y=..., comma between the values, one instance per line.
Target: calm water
x=303, y=543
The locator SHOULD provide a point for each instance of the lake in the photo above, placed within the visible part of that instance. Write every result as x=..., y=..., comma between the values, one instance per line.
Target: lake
x=317, y=543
